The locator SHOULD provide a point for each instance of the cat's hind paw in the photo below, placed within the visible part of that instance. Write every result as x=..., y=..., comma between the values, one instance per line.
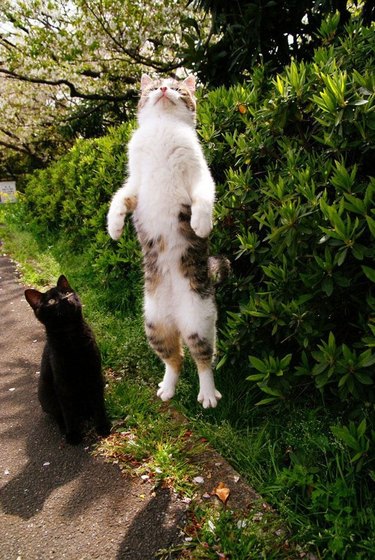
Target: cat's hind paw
x=167, y=387
x=165, y=392
x=209, y=399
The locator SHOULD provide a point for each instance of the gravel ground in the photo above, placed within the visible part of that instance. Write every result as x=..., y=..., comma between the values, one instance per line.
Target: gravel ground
x=57, y=501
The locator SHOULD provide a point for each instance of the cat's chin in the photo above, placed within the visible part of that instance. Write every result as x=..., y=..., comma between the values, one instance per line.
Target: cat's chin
x=163, y=99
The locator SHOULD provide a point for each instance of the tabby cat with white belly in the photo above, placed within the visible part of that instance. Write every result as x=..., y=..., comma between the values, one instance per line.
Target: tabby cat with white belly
x=170, y=191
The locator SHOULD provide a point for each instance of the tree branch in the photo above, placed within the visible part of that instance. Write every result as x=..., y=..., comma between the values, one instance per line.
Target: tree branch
x=74, y=92
x=132, y=53
x=16, y=23
x=8, y=44
x=9, y=133
x=17, y=148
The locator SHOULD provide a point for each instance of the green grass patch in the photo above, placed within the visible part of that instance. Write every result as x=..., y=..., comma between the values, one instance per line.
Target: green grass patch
x=221, y=533
x=148, y=439
x=38, y=267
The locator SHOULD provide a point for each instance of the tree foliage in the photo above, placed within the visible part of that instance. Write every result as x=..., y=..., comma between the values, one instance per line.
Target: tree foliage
x=71, y=68
x=246, y=32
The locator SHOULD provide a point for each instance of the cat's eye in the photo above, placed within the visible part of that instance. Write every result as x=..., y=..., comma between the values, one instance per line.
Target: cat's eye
x=67, y=295
x=51, y=301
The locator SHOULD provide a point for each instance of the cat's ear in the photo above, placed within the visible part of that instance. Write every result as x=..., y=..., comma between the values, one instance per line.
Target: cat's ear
x=63, y=283
x=189, y=82
x=33, y=297
x=145, y=81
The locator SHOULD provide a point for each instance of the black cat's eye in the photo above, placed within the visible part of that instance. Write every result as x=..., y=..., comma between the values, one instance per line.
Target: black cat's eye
x=51, y=301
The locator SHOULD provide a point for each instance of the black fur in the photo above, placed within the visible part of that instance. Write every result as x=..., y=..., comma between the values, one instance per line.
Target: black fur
x=71, y=386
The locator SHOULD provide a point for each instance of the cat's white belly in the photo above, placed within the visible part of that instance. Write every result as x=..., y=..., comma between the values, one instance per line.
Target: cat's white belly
x=161, y=197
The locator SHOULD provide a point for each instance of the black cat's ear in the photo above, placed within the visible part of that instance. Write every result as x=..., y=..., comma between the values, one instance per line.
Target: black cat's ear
x=63, y=283
x=33, y=297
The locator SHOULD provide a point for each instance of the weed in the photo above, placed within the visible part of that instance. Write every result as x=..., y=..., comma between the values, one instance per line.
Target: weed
x=212, y=534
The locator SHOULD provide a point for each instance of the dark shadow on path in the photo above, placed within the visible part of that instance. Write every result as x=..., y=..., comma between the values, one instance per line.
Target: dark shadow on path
x=52, y=464
x=156, y=527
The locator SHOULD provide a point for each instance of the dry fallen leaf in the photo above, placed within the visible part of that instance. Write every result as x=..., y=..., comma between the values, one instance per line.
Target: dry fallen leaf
x=222, y=492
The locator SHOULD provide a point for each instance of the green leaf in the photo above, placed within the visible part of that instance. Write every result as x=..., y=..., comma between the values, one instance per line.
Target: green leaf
x=360, y=102
x=285, y=361
x=222, y=361
x=344, y=435
x=266, y=401
x=271, y=391
x=343, y=380
x=258, y=364
x=356, y=457
x=371, y=225
x=256, y=377
x=327, y=286
x=366, y=359
x=362, y=428
x=370, y=272
x=364, y=378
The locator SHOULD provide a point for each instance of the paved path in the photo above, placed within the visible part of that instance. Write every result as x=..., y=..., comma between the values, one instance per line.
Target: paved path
x=57, y=501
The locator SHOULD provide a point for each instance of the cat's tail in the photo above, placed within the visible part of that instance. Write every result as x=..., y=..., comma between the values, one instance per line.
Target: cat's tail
x=218, y=268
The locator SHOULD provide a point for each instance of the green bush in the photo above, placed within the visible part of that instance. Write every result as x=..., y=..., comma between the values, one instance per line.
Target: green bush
x=70, y=200
x=296, y=214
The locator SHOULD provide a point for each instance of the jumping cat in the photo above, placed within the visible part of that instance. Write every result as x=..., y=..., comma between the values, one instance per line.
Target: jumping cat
x=171, y=193
x=71, y=386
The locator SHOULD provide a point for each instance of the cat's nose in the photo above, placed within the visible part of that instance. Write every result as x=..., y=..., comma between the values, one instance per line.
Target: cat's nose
x=163, y=89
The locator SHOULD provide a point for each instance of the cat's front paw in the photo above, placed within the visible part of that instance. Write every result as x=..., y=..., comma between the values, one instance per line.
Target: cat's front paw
x=115, y=224
x=103, y=429
x=201, y=221
x=209, y=399
x=73, y=438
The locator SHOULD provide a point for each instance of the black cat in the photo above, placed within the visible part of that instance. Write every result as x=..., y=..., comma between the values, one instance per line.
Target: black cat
x=71, y=386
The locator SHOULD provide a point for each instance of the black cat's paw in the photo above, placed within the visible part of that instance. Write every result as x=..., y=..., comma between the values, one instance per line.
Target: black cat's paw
x=103, y=429
x=73, y=438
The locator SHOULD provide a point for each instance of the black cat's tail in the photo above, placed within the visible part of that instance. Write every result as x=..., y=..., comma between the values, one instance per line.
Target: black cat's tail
x=218, y=268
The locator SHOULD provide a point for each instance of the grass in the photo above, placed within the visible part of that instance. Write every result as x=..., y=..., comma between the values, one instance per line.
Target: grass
x=148, y=440
x=226, y=534
x=291, y=453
